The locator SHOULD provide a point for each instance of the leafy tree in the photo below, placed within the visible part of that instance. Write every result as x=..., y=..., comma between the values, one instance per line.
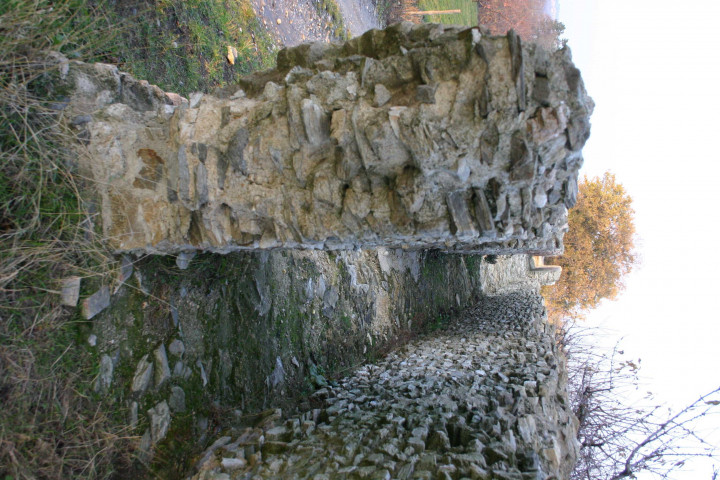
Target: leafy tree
x=599, y=249
x=526, y=17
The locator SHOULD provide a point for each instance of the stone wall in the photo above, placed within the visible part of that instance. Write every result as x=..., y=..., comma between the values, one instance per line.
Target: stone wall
x=187, y=352
x=417, y=136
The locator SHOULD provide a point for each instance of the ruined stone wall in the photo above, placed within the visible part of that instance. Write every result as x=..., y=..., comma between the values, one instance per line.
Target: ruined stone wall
x=417, y=136
x=188, y=353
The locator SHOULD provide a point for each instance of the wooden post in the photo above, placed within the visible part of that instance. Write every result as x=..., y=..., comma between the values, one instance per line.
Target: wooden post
x=434, y=12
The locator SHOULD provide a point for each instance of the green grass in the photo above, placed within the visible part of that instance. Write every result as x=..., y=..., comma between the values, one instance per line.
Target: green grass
x=53, y=424
x=182, y=46
x=469, y=15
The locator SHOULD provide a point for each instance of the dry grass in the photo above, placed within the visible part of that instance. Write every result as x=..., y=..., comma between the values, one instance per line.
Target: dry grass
x=52, y=423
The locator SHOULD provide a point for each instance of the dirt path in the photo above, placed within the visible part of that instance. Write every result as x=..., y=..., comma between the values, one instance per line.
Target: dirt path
x=297, y=21
x=359, y=15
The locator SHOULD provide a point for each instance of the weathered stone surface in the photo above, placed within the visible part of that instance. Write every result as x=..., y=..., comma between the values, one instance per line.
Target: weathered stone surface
x=162, y=367
x=143, y=375
x=96, y=303
x=70, y=291
x=342, y=147
x=176, y=402
x=105, y=377
x=159, y=421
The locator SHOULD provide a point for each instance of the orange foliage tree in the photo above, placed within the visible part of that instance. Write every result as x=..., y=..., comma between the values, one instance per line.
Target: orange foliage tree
x=599, y=249
x=526, y=17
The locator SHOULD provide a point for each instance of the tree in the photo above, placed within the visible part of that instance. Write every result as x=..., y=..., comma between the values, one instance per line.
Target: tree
x=526, y=17
x=599, y=249
x=619, y=439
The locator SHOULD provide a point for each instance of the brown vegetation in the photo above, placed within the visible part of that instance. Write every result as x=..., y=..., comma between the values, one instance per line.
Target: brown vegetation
x=599, y=249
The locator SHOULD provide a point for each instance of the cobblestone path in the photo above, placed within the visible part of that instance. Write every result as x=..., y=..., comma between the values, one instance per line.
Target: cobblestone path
x=483, y=399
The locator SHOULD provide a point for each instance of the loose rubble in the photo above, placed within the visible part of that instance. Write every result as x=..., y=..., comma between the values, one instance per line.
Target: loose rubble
x=484, y=399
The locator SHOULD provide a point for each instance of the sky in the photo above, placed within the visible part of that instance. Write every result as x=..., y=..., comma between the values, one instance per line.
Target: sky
x=653, y=69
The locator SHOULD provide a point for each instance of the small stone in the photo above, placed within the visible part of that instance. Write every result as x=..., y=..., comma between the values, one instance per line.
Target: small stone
x=133, y=414
x=70, y=291
x=277, y=377
x=162, y=368
x=280, y=434
x=159, y=421
x=571, y=191
x=96, y=303
x=177, y=348
x=382, y=95
x=92, y=340
x=177, y=399
x=278, y=21
x=438, y=441
x=274, y=448
x=143, y=375
x=233, y=463
x=184, y=258
x=126, y=269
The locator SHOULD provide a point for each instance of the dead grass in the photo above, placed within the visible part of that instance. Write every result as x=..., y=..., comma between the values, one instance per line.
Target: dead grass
x=53, y=425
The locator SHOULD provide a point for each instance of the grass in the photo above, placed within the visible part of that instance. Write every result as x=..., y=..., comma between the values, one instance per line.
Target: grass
x=468, y=17
x=391, y=11
x=53, y=424
x=182, y=45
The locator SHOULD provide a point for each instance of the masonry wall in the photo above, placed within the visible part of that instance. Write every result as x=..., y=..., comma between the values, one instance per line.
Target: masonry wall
x=417, y=136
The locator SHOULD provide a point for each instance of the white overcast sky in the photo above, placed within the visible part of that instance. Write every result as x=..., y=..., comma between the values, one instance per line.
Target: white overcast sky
x=653, y=69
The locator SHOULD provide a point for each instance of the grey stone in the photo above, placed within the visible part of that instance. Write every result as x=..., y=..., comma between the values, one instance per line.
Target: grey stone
x=133, y=420
x=203, y=374
x=159, y=417
x=571, y=191
x=233, y=463
x=96, y=303
x=70, y=292
x=105, y=377
x=483, y=215
x=177, y=347
x=184, y=258
x=162, y=368
x=201, y=185
x=460, y=214
x=126, y=269
x=177, y=399
x=277, y=377
x=382, y=95
x=143, y=375
x=317, y=124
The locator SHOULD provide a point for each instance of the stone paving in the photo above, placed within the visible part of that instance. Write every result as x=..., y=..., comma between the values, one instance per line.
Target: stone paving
x=483, y=399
